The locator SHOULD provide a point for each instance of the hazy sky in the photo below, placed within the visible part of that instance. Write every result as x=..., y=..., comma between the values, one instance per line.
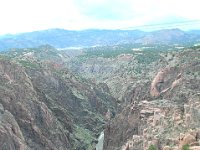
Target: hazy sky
x=29, y=15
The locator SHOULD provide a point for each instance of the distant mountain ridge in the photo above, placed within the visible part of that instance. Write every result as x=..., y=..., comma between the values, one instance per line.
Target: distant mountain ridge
x=61, y=38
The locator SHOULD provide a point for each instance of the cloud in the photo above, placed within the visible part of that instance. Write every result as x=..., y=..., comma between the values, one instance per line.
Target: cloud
x=29, y=15
x=130, y=13
x=105, y=9
x=119, y=9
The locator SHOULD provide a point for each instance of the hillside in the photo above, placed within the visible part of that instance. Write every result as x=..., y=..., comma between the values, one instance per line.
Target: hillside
x=163, y=107
x=157, y=90
x=121, y=66
x=45, y=106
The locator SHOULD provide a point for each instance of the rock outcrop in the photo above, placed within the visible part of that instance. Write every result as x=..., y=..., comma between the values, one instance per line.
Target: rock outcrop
x=161, y=83
x=166, y=116
x=43, y=108
x=29, y=122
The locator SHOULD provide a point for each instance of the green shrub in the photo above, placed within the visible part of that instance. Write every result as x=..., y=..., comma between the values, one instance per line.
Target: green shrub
x=152, y=147
x=186, y=147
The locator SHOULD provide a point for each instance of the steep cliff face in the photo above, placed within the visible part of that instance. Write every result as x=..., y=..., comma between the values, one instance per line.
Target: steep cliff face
x=44, y=108
x=26, y=122
x=166, y=115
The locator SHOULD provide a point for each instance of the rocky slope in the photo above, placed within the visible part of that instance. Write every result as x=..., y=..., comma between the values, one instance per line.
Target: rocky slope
x=163, y=109
x=123, y=68
x=44, y=106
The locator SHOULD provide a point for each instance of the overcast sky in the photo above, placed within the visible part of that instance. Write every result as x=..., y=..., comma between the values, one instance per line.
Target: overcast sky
x=30, y=15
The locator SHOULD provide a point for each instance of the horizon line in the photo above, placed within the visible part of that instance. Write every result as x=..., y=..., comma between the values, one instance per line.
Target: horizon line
x=106, y=29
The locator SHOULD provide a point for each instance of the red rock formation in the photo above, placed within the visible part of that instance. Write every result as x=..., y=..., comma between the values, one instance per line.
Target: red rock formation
x=159, y=86
x=159, y=78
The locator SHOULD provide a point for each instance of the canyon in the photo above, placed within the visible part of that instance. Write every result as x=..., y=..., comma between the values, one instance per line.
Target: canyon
x=118, y=97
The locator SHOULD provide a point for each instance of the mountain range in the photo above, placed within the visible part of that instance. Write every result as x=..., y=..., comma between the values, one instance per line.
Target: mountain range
x=61, y=38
